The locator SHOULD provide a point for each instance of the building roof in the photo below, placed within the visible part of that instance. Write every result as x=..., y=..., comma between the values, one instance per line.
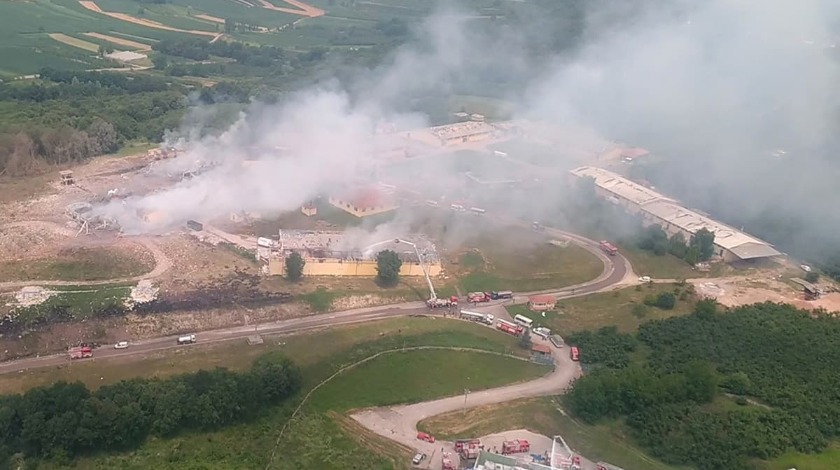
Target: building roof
x=620, y=186
x=461, y=129
x=542, y=299
x=364, y=198
x=541, y=348
x=741, y=244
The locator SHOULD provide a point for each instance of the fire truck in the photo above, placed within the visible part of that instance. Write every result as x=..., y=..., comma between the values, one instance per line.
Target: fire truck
x=442, y=303
x=461, y=443
x=606, y=466
x=475, y=297
x=574, y=353
x=80, y=352
x=446, y=463
x=516, y=446
x=608, y=248
x=508, y=327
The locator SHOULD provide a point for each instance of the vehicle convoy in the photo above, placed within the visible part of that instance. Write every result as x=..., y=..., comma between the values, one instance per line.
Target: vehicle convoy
x=80, y=352
x=486, y=318
x=504, y=294
x=608, y=248
x=186, y=339
x=510, y=328
x=477, y=297
x=516, y=446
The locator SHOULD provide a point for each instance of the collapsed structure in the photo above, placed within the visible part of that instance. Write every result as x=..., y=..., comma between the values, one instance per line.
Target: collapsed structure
x=329, y=253
x=364, y=201
x=655, y=208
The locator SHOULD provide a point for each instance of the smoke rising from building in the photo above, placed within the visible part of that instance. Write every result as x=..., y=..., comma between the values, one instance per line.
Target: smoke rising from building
x=713, y=86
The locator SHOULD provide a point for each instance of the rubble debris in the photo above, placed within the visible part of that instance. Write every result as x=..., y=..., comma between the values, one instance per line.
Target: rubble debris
x=32, y=295
x=143, y=293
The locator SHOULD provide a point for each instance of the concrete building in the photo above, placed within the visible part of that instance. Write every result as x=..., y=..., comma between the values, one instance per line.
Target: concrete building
x=309, y=209
x=331, y=254
x=655, y=208
x=541, y=303
x=462, y=132
x=364, y=202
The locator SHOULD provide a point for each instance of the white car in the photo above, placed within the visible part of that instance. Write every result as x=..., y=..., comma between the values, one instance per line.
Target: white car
x=121, y=345
x=418, y=458
x=644, y=279
x=542, y=332
x=805, y=268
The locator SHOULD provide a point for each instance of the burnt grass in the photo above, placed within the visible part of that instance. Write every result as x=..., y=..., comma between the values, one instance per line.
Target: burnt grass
x=241, y=291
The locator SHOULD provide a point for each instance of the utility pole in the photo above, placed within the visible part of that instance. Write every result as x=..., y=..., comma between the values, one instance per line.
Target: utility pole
x=466, y=393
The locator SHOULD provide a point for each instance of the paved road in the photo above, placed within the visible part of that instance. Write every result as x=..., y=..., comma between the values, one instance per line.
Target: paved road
x=399, y=423
x=615, y=274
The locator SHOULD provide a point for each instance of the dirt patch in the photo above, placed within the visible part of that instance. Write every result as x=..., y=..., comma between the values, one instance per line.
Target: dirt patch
x=92, y=6
x=733, y=292
x=80, y=263
x=122, y=42
x=71, y=41
x=302, y=8
x=214, y=19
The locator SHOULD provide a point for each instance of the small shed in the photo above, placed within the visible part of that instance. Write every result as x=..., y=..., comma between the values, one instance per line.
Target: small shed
x=541, y=353
x=541, y=303
x=309, y=209
x=67, y=177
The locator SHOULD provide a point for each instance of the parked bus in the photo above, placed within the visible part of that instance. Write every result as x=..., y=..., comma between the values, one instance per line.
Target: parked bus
x=574, y=353
x=523, y=320
x=505, y=294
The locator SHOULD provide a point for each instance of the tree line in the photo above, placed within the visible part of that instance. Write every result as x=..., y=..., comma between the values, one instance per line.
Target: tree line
x=67, y=419
x=718, y=389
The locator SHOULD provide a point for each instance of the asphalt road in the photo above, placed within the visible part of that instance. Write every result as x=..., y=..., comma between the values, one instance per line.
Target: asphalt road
x=616, y=269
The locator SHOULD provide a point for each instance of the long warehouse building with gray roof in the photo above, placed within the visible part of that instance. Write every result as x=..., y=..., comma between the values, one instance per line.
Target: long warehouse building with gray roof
x=655, y=208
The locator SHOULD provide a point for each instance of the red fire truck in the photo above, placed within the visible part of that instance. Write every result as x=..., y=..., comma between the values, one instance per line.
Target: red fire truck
x=461, y=443
x=515, y=447
x=574, y=353
x=80, y=352
x=608, y=248
x=508, y=327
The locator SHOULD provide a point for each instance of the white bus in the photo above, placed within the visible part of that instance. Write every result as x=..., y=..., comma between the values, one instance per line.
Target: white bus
x=523, y=320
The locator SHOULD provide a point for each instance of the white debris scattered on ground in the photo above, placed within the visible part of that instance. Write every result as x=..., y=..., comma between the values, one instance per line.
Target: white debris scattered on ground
x=710, y=289
x=32, y=295
x=143, y=292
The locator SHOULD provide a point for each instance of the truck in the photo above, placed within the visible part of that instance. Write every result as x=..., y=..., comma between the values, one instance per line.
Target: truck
x=461, y=443
x=608, y=248
x=186, y=339
x=476, y=297
x=469, y=452
x=442, y=303
x=80, y=352
x=516, y=446
x=503, y=294
x=574, y=353
x=477, y=210
x=479, y=317
x=510, y=328
x=446, y=462
x=606, y=466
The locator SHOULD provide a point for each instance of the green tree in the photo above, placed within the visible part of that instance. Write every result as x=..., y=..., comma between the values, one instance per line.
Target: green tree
x=677, y=245
x=666, y=300
x=704, y=240
x=692, y=255
x=525, y=340
x=294, y=266
x=388, y=265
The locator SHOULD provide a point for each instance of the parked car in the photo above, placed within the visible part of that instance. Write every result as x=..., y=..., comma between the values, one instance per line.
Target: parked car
x=542, y=332
x=644, y=279
x=425, y=437
x=418, y=457
x=121, y=345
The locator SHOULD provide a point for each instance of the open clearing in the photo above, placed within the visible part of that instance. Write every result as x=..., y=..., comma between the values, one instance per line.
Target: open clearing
x=315, y=439
x=122, y=42
x=607, y=309
x=80, y=264
x=75, y=42
x=92, y=6
x=543, y=416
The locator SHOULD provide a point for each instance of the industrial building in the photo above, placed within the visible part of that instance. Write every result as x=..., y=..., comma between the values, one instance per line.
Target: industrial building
x=655, y=208
x=333, y=254
x=364, y=202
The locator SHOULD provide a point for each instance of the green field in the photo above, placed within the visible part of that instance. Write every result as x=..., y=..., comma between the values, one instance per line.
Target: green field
x=544, y=416
x=615, y=308
x=316, y=438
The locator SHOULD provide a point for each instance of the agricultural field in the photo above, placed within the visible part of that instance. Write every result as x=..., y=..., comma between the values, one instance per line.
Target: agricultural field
x=544, y=416
x=249, y=445
x=622, y=308
x=79, y=264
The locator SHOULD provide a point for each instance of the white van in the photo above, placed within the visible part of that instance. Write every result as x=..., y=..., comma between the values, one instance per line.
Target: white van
x=186, y=339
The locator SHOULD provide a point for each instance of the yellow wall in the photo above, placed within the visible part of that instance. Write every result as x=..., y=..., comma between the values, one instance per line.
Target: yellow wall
x=347, y=207
x=332, y=267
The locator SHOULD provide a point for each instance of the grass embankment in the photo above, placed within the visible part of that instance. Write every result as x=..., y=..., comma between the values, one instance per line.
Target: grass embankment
x=318, y=437
x=543, y=416
x=666, y=266
x=618, y=308
x=528, y=266
x=79, y=264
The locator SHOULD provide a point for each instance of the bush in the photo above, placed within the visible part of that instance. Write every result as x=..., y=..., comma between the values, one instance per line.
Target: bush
x=666, y=301
x=812, y=277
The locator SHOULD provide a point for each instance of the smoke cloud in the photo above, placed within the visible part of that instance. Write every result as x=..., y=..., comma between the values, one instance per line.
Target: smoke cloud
x=714, y=87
